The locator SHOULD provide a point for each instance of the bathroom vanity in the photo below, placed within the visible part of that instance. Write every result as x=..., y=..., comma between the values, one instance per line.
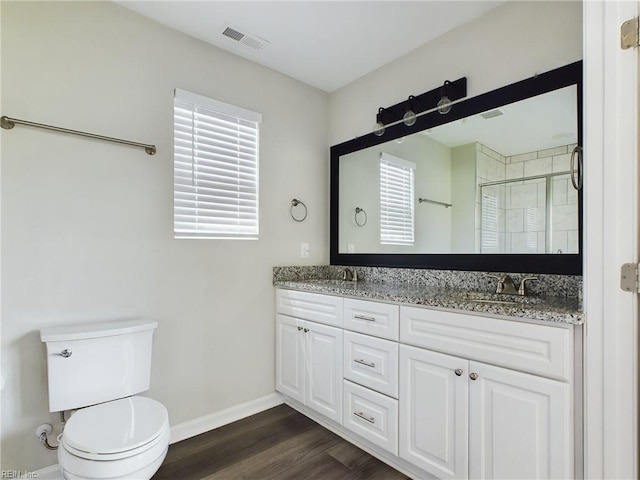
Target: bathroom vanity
x=437, y=384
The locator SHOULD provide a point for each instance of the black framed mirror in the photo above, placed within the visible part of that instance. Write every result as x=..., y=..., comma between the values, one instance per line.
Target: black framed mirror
x=489, y=186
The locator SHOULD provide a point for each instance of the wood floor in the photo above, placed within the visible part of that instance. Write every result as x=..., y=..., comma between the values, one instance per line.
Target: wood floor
x=279, y=443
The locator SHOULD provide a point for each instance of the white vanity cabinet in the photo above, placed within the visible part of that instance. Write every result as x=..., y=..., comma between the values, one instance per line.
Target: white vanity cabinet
x=308, y=353
x=463, y=418
x=435, y=393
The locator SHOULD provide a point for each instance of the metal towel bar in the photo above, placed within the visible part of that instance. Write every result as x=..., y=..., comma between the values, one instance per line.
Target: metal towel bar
x=8, y=123
x=426, y=200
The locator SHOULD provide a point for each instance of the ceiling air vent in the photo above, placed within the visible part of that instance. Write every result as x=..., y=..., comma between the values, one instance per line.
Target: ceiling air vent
x=231, y=33
x=492, y=114
x=251, y=41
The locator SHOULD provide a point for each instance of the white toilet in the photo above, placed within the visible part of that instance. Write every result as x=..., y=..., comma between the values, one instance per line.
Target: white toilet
x=99, y=368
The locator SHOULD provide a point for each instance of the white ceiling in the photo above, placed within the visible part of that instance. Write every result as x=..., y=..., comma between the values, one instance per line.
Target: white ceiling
x=537, y=123
x=326, y=44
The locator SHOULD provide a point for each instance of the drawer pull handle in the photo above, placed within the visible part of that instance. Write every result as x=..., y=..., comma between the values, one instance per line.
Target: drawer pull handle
x=365, y=317
x=364, y=417
x=365, y=363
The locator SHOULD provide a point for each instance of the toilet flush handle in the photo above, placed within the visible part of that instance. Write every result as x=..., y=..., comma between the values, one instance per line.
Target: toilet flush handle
x=66, y=353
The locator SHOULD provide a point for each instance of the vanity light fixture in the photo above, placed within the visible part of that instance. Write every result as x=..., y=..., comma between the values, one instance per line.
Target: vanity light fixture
x=444, y=104
x=379, y=127
x=406, y=113
x=409, y=118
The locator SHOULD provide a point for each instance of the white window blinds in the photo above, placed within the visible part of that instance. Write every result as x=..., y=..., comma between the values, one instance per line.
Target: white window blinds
x=490, y=224
x=215, y=180
x=396, y=200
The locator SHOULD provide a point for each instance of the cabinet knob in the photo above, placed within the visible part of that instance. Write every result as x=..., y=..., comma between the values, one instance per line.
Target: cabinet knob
x=306, y=330
x=458, y=371
x=473, y=375
x=299, y=329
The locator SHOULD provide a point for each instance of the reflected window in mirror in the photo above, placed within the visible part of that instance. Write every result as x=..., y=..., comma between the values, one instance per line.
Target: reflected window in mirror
x=396, y=200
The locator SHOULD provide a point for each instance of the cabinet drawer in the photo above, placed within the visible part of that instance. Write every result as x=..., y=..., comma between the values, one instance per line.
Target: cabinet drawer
x=319, y=308
x=371, y=362
x=539, y=349
x=373, y=318
x=371, y=415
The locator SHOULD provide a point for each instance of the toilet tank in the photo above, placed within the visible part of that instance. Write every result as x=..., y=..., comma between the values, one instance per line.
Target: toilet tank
x=97, y=362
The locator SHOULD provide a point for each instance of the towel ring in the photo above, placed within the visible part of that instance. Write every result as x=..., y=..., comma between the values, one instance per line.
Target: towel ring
x=294, y=203
x=355, y=217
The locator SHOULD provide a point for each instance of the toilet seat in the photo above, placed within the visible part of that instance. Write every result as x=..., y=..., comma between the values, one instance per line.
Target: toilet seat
x=116, y=430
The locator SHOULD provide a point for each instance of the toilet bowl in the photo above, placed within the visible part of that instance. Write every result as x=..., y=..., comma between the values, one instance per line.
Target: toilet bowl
x=126, y=438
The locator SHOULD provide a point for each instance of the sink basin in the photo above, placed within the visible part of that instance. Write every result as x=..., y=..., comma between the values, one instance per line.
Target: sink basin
x=496, y=302
x=330, y=282
x=494, y=298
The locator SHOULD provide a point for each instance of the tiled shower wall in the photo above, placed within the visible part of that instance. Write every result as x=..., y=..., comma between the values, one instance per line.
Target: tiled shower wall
x=513, y=214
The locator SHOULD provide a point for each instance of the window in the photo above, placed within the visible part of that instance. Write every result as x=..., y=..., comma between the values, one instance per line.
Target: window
x=490, y=223
x=396, y=200
x=215, y=182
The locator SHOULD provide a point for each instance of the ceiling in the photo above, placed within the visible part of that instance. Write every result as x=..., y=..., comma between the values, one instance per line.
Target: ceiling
x=536, y=123
x=325, y=44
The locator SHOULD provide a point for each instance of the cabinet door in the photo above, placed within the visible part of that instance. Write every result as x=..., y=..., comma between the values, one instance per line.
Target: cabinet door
x=434, y=412
x=290, y=374
x=519, y=425
x=324, y=370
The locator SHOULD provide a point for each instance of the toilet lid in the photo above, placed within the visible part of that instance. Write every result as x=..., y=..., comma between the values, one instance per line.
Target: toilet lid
x=117, y=426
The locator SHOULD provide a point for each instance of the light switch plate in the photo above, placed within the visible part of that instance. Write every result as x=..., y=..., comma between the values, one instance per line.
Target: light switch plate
x=304, y=250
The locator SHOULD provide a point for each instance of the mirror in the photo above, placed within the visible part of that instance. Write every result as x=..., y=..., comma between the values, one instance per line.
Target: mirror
x=485, y=187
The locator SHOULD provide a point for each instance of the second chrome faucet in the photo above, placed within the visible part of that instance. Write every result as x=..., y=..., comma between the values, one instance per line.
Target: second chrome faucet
x=506, y=285
x=349, y=275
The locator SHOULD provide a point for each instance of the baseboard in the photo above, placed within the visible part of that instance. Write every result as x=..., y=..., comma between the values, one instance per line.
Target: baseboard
x=203, y=424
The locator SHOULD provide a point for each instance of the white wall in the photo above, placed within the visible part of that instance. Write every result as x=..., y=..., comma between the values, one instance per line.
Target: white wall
x=512, y=42
x=87, y=226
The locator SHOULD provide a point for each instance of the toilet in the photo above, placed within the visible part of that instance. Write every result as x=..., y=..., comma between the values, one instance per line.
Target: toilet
x=98, y=370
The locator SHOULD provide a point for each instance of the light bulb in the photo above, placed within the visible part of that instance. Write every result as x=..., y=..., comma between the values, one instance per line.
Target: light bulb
x=444, y=105
x=379, y=129
x=409, y=118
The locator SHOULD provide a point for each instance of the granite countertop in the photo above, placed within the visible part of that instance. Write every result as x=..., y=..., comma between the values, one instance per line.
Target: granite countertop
x=555, y=309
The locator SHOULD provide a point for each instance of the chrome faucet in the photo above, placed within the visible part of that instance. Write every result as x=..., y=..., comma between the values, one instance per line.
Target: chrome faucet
x=349, y=275
x=507, y=286
x=522, y=290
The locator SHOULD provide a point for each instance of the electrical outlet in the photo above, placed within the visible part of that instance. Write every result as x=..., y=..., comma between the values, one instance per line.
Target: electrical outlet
x=304, y=250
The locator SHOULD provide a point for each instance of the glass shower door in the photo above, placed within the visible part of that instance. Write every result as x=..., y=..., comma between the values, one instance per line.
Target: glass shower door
x=528, y=215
